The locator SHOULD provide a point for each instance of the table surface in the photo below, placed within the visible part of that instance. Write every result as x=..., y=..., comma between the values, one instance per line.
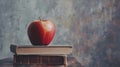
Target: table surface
x=8, y=62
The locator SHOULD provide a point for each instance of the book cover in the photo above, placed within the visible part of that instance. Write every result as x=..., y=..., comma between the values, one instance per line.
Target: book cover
x=40, y=50
x=39, y=59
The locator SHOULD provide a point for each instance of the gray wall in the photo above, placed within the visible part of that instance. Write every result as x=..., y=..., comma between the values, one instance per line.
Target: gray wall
x=91, y=26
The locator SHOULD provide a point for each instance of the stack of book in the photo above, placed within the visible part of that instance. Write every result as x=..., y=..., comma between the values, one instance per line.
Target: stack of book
x=43, y=55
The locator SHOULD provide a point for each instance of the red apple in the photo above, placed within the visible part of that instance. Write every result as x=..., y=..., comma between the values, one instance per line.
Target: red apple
x=41, y=32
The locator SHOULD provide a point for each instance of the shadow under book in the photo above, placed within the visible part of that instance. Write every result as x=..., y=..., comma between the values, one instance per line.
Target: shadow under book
x=43, y=55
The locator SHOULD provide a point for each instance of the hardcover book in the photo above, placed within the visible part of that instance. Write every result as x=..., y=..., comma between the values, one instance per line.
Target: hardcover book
x=40, y=50
x=39, y=59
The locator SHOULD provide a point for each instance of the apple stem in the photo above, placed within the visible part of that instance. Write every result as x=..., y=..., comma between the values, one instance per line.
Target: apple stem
x=40, y=18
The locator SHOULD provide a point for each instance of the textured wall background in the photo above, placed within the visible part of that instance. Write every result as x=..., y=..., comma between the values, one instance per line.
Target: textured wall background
x=91, y=26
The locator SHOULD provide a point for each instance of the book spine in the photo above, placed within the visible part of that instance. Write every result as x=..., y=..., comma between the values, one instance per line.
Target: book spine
x=38, y=59
x=13, y=48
